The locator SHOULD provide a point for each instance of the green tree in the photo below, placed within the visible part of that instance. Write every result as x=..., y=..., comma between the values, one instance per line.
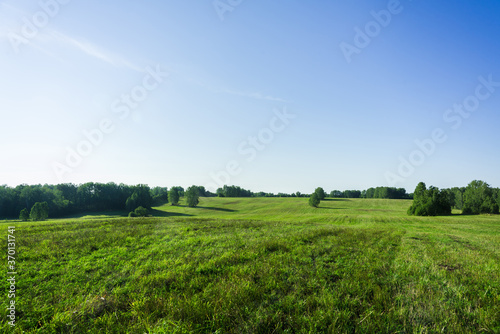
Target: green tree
x=219, y=192
x=180, y=191
x=39, y=211
x=24, y=215
x=352, y=193
x=192, y=196
x=141, y=196
x=498, y=197
x=314, y=200
x=458, y=197
x=336, y=194
x=429, y=202
x=479, y=198
x=321, y=193
x=159, y=195
x=173, y=196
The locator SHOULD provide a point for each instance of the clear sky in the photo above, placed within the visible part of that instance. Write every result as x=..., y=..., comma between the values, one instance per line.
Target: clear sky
x=277, y=96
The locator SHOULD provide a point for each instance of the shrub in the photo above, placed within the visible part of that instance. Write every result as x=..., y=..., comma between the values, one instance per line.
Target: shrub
x=141, y=212
x=314, y=200
x=24, y=215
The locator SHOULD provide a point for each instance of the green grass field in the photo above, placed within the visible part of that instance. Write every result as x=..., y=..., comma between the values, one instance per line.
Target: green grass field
x=258, y=265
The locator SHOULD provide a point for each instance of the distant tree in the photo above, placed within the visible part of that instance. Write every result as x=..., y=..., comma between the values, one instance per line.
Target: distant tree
x=314, y=200
x=39, y=211
x=479, y=198
x=192, y=196
x=173, y=196
x=235, y=191
x=132, y=201
x=24, y=215
x=336, y=194
x=370, y=193
x=220, y=192
x=456, y=196
x=180, y=191
x=202, y=192
x=498, y=197
x=298, y=194
x=321, y=193
x=385, y=192
x=352, y=194
x=159, y=195
x=140, y=197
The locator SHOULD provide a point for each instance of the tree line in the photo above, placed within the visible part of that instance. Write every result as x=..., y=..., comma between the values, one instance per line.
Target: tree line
x=378, y=192
x=66, y=199
x=477, y=198
x=319, y=194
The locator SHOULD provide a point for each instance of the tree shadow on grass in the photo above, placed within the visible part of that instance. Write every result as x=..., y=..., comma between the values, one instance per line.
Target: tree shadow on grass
x=216, y=209
x=335, y=199
x=327, y=208
x=159, y=213
x=95, y=214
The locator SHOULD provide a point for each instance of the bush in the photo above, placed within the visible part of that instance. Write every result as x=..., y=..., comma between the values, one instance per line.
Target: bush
x=24, y=215
x=314, y=200
x=139, y=212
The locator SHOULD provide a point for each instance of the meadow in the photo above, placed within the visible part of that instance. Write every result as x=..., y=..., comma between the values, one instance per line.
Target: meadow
x=258, y=265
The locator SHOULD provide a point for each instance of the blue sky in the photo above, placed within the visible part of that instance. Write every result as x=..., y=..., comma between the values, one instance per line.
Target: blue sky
x=222, y=76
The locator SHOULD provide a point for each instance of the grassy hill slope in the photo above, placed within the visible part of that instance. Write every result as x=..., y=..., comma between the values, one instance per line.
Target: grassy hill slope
x=259, y=265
